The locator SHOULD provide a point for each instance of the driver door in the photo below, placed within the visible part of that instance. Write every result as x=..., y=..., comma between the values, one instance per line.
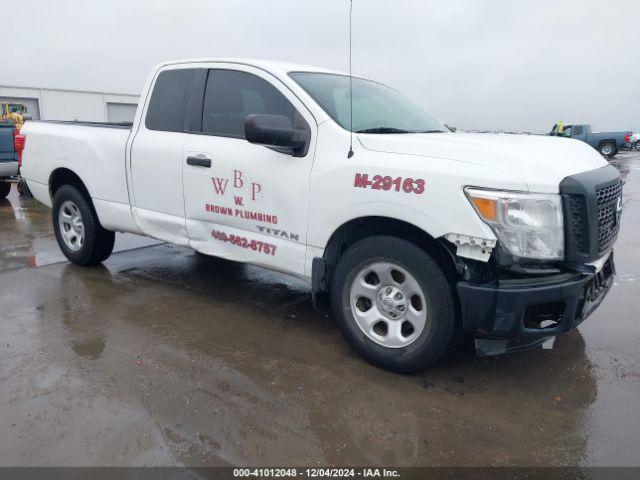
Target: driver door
x=246, y=202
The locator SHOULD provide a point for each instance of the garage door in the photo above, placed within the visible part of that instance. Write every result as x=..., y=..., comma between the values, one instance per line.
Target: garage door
x=33, y=107
x=121, y=112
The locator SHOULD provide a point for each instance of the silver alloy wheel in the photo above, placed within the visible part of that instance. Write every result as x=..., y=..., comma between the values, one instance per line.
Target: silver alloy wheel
x=607, y=149
x=388, y=304
x=71, y=225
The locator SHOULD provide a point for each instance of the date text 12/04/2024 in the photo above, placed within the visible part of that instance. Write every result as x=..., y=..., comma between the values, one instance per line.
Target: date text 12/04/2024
x=318, y=472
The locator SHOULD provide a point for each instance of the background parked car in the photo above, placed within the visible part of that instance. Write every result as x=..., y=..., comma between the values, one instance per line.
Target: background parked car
x=8, y=156
x=607, y=143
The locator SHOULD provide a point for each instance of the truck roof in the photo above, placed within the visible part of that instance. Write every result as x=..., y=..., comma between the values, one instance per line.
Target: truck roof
x=269, y=65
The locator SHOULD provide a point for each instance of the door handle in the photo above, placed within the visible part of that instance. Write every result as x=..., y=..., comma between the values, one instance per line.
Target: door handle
x=199, y=161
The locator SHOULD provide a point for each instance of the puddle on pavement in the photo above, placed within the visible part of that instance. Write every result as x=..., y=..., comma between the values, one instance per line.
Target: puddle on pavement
x=27, y=238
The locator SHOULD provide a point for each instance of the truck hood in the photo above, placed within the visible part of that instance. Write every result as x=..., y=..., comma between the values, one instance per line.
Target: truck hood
x=540, y=161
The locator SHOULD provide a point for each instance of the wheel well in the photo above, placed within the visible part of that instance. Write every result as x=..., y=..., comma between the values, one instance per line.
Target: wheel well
x=610, y=140
x=358, y=229
x=64, y=176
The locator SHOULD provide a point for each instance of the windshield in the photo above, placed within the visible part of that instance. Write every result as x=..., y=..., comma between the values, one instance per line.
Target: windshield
x=376, y=107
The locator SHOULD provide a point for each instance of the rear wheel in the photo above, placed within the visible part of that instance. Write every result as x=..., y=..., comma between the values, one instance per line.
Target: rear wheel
x=608, y=149
x=5, y=188
x=393, y=303
x=23, y=188
x=636, y=146
x=81, y=237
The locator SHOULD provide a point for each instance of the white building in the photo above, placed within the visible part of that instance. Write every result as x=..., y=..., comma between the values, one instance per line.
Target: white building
x=56, y=104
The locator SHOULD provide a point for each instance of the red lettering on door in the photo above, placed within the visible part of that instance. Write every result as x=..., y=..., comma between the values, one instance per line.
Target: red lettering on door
x=220, y=185
x=237, y=179
x=255, y=190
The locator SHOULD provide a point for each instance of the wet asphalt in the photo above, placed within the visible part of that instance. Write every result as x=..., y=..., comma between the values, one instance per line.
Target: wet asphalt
x=164, y=357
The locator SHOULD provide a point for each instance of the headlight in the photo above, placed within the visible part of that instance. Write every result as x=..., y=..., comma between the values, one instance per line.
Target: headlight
x=529, y=225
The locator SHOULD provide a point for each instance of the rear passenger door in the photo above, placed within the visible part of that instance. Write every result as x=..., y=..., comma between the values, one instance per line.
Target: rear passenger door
x=157, y=195
x=243, y=201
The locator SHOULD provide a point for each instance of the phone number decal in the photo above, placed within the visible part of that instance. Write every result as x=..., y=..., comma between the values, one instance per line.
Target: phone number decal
x=398, y=184
x=243, y=242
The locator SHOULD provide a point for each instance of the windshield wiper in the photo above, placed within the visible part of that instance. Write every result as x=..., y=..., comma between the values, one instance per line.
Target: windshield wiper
x=432, y=131
x=383, y=130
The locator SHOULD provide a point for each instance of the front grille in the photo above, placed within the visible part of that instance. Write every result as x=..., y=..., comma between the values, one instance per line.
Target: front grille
x=609, y=193
x=577, y=236
x=591, y=203
x=608, y=221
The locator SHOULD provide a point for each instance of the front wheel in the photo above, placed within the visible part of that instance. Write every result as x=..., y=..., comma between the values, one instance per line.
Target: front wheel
x=636, y=146
x=80, y=236
x=393, y=303
x=608, y=149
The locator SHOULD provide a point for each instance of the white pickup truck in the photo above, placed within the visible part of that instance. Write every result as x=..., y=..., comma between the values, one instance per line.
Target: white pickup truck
x=418, y=234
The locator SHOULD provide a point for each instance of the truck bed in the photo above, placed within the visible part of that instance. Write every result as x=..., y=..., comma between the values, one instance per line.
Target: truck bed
x=95, y=152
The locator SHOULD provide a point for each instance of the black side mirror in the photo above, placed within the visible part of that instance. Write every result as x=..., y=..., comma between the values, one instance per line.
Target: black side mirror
x=276, y=131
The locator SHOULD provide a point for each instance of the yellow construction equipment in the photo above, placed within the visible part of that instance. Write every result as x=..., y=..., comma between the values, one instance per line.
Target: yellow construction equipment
x=14, y=112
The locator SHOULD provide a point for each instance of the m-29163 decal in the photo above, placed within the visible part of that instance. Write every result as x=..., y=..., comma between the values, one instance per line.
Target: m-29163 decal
x=397, y=184
x=243, y=242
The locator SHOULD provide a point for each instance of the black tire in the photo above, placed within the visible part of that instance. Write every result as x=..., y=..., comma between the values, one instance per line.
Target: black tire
x=5, y=188
x=608, y=149
x=432, y=343
x=23, y=188
x=98, y=242
x=636, y=146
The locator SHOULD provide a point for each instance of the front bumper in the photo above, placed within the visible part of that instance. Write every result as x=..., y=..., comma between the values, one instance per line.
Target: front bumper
x=514, y=314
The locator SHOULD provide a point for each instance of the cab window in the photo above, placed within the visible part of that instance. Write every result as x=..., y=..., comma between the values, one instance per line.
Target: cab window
x=168, y=102
x=232, y=95
x=566, y=132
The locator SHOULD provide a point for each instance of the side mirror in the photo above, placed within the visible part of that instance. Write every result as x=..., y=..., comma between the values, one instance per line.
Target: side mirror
x=275, y=131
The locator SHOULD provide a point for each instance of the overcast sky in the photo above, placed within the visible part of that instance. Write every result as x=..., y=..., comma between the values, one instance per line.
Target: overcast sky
x=475, y=64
